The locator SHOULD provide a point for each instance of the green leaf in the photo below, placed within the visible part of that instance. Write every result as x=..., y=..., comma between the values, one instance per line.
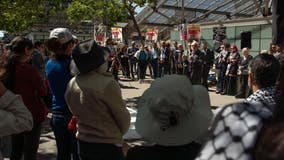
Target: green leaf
x=20, y=15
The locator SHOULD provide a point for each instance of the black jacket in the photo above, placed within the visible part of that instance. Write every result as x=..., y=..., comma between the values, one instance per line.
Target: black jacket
x=208, y=58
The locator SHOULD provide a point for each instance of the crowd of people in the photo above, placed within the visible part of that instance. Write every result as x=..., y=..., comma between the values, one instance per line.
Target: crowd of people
x=228, y=63
x=162, y=59
x=89, y=116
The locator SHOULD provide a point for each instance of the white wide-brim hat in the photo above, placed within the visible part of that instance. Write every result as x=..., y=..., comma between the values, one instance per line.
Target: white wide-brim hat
x=173, y=112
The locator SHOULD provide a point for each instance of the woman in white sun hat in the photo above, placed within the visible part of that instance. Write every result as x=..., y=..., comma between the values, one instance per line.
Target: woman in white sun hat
x=174, y=115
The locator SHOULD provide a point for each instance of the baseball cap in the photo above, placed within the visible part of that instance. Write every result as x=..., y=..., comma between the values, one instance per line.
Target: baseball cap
x=62, y=34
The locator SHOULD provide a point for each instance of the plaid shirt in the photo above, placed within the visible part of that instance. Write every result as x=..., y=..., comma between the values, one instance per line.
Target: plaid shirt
x=236, y=127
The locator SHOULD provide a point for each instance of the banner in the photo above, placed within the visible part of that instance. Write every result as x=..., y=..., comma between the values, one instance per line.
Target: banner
x=219, y=35
x=183, y=32
x=152, y=35
x=116, y=35
x=193, y=32
x=99, y=38
x=100, y=33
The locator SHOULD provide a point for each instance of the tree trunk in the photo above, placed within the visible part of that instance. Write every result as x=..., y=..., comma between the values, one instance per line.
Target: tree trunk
x=131, y=12
x=135, y=24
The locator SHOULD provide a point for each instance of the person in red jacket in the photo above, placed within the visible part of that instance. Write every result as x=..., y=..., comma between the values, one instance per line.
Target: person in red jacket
x=24, y=79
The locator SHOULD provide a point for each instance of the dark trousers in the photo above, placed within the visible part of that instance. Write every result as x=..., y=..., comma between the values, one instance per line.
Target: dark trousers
x=164, y=68
x=155, y=66
x=66, y=141
x=168, y=67
x=221, y=79
x=243, y=88
x=173, y=66
x=205, y=75
x=187, y=69
x=99, y=151
x=132, y=66
x=115, y=74
x=150, y=69
x=26, y=144
x=109, y=65
x=231, y=85
x=196, y=75
x=125, y=69
x=142, y=69
x=179, y=71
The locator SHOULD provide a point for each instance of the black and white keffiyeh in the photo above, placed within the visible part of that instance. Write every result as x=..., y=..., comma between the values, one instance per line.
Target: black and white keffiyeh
x=234, y=132
x=236, y=127
x=264, y=95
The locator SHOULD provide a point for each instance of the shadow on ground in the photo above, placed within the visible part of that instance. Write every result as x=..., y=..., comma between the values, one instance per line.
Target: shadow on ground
x=130, y=86
x=149, y=81
x=125, y=80
x=47, y=156
x=215, y=107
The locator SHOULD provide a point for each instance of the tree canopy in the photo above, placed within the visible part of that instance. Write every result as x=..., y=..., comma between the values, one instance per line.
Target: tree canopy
x=107, y=11
x=20, y=15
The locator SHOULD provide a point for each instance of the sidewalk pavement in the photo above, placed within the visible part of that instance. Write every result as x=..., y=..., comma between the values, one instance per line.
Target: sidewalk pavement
x=131, y=91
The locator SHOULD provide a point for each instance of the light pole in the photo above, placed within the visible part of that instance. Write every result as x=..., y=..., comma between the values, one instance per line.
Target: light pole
x=182, y=10
x=183, y=23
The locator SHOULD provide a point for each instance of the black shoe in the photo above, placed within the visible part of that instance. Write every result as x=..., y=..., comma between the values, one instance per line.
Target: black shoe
x=223, y=93
x=217, y=92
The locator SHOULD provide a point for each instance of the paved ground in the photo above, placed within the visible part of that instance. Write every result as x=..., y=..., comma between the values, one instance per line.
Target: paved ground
x=131, y=91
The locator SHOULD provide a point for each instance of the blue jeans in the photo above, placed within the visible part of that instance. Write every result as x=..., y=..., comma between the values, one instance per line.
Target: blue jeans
x=66, y=141
x=99, y=151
